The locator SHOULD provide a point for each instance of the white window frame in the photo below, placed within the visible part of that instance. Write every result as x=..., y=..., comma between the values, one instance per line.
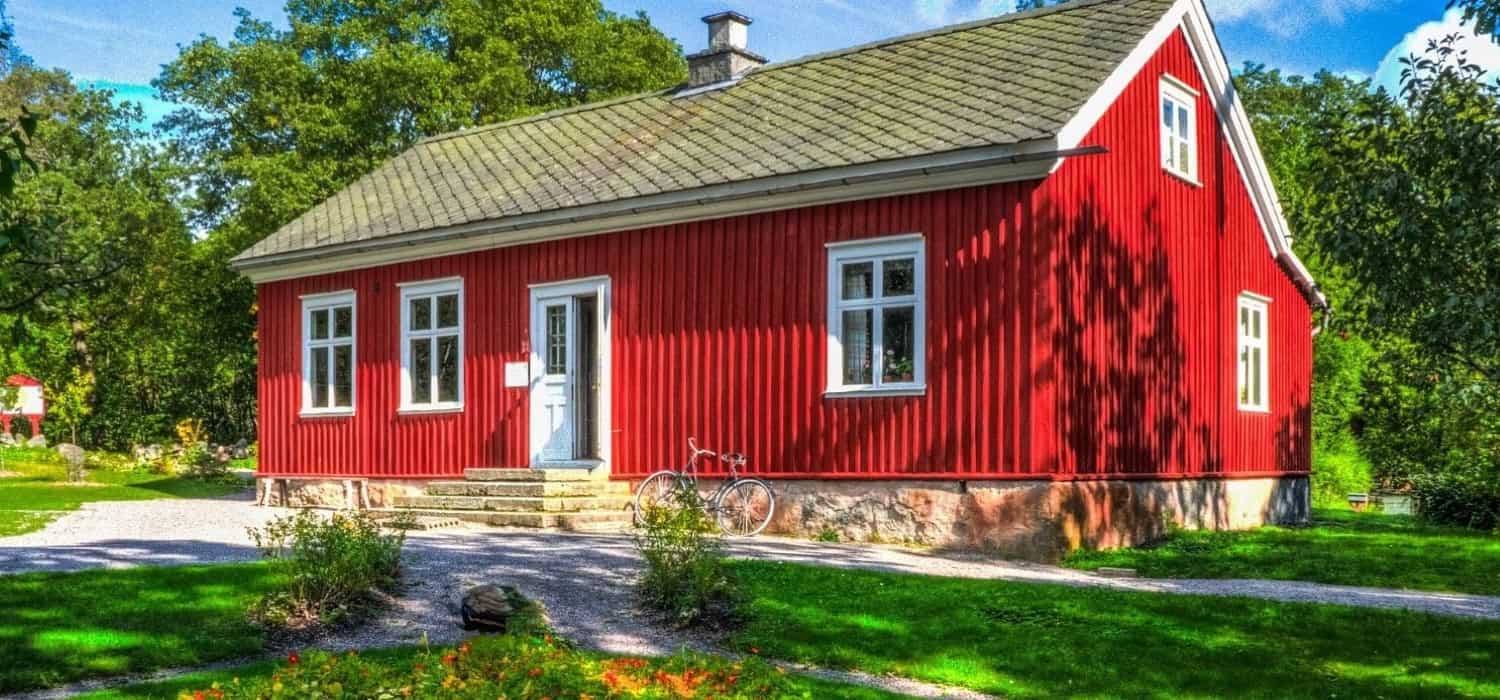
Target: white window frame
x=877, y=250
x=1182, y=97
x=1254, y=303
x=416, y=290
x=321, y=302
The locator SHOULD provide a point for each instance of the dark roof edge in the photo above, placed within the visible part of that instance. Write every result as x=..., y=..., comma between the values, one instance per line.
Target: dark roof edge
x=878, y=171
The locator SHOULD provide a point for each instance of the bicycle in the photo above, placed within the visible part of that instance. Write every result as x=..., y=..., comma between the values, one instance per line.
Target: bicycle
x=741, y=507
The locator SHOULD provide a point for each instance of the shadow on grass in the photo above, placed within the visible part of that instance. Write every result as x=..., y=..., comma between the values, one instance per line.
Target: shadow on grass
x=56, y=628
x=1030, y=640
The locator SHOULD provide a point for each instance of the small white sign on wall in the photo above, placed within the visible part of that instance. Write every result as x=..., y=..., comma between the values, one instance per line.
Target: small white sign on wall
x=517, y=375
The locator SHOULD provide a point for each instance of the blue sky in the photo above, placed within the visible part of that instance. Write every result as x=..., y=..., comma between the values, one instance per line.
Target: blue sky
x=121, y=45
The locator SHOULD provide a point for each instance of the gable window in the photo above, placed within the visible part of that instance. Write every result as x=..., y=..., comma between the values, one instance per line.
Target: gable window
x=432, y=347
x=876, y=314
x=1252, y=368
x=328, y=353
x=1179, y=137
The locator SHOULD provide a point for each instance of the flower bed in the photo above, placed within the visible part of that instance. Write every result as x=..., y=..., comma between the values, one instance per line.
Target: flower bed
x=511, y=666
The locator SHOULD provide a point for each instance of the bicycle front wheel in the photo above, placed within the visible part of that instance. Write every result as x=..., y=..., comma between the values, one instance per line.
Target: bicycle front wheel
x=658, y=491
x=745, y=507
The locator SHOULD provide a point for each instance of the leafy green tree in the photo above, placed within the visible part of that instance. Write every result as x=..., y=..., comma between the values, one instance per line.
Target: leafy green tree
x=1407, y=194
x=72, y=402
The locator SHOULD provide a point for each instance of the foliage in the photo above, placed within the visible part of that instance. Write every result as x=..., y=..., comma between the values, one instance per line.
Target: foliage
x=1336, y=474
x=60, y=627
x=333, y=567
x=685, y=575
x=1021, y=640
x=1458, y=498
x=1406, y=191
x=70, y=403
x=516, y=666
x=1339, y=547
x=1485, y=14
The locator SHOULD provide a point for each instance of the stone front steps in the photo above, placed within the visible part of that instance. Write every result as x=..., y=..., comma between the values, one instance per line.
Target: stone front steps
x=565, y=499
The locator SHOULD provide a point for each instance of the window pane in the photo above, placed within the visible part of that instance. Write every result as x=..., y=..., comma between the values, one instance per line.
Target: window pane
x=1166, y=114
x=1255, y=325
x=421, y=313
x=343, y=376
x=343, y=322
x=899, y=340
x=421, y=370
x=899, y=277
x=320, y=324
x=447, y=349
x=319, y=362
x=447, y=311
x=1244, y=375
x=1255, y=377
x=556, y=352
x=859, y=346
x=1182, y=123
x=1183, y=160
x=859, y=280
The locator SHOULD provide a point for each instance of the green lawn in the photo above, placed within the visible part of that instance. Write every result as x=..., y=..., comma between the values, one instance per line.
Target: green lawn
x=39, y=491
x=61, y=627
x=1340, y=546
x=1027, y=640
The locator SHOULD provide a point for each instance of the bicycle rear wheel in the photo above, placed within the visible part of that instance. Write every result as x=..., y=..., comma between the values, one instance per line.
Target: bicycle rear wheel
x=658, y=491
x=745, y=507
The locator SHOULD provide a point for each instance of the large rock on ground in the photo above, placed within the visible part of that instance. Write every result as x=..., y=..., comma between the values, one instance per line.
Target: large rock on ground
x=37, y=441
x=74, y=456
x=491, y=608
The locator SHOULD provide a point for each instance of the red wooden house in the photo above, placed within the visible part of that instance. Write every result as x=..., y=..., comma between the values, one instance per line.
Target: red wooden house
x=1022, y=283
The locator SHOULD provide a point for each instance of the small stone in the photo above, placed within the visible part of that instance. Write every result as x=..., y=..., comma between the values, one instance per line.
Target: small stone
x=241, y=450
x=37, y=441
x=7, y=439
x=489, y=608
x=148, y=453
x=74, y=456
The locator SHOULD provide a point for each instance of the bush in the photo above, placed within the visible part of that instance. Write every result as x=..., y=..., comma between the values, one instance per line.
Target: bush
x=1337, y=474
x=685, y=575
x=1457, y=499
x=334, y=568
x=515, y=666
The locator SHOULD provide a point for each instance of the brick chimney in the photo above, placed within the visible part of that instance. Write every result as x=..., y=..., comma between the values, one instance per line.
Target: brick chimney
x=726, y=56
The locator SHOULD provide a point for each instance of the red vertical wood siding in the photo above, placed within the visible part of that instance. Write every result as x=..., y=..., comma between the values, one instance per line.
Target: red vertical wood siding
x=1077, y=327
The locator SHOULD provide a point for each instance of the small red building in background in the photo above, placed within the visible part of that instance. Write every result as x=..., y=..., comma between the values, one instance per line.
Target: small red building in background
x=923, y=321
x=29, y=404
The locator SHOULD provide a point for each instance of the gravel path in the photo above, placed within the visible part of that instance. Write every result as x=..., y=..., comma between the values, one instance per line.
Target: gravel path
x=583, y=579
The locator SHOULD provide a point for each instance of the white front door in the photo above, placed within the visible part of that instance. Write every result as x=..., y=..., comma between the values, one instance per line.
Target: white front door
x=570, y=373
x=559, y=378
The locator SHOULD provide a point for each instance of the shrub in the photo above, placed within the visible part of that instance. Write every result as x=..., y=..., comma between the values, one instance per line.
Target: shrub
x=515, y=666
x=685, y=575
x=333, y=567
x=1457, y=499
x=1337, y=474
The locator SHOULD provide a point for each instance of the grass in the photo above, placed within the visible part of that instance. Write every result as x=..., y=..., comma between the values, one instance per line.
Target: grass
x=61, y=627
x=1340, y=546
x=399, y=657
x=1029, y=640
x=40, y=492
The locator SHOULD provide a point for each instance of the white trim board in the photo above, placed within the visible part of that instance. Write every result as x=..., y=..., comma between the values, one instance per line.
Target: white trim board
x=1192, y=18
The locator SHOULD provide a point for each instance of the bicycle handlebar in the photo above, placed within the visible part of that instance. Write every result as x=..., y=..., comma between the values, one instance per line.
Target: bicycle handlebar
x=697, y=451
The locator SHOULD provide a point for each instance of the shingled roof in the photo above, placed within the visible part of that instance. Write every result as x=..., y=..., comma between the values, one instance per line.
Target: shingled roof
x=1011, y=80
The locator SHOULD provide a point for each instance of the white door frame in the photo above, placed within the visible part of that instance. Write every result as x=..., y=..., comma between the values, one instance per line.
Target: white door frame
x=540, y=293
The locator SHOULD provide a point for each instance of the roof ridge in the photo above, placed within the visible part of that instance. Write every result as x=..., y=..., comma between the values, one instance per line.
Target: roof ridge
x=771, y=67
x=938, y=31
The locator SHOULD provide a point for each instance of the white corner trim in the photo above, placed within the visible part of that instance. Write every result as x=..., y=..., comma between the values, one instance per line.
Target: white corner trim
x=1192, y=17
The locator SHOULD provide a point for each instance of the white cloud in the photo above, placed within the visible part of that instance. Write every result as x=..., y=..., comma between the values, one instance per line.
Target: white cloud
x=1481, y=50
x=940, y=12
x=1286, y=18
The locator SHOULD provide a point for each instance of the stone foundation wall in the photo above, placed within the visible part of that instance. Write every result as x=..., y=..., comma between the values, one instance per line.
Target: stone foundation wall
x=332, y=493
x=1039, y=520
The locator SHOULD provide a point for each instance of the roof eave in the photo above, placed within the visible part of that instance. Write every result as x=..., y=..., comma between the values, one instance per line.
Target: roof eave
x=967, y=167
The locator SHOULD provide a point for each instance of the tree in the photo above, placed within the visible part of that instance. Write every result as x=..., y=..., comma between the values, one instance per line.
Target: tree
x=276, y=120
x=1408, y=194
x=1483, y=13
